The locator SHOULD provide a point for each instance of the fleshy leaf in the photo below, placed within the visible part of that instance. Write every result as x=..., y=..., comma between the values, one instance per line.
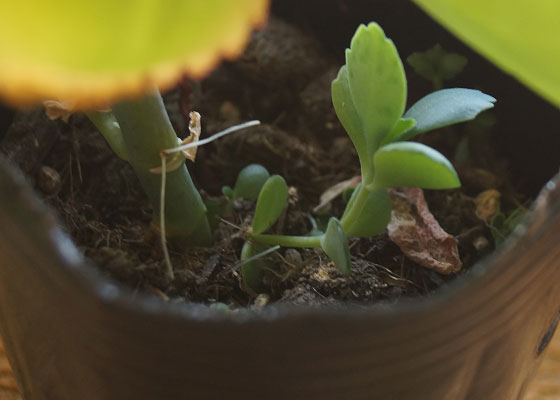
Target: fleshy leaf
x=252, y=271
x=91, y=53
x=414, y=165
x=250, y=182
x=335, y=244
x=270, y=204
x=377, y=82
x=520, y=37
x=403, y=125
x=375, y=217
x=347, y=114
x=446, y=107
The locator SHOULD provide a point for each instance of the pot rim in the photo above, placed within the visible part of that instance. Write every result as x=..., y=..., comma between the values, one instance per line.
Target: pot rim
x=75, y=266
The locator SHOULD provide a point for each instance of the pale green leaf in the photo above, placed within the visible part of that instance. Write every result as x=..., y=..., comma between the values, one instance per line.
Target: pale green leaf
x=335, y=244
x=446, y=107
x=519, y=36
x=377, y=82
x=414, y=165
x=270, y=204
x=347, y=114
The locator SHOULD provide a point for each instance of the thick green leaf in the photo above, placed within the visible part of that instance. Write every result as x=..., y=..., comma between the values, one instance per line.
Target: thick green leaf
x=414, y=165
x=375, y=217
x=519, y=36
x=446, y=107
x=347, y=114
x=228, y=192
x=250, y=182
x=377, y=82
x=270, y=204
x=335, y=244
x=252, y=271
x=403, y=125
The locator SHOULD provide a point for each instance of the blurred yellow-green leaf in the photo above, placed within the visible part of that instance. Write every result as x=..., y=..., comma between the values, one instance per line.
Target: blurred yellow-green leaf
x=521, y=37
x=92, y=52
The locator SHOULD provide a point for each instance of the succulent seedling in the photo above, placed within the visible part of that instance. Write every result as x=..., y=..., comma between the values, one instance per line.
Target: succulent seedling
x=369, y=97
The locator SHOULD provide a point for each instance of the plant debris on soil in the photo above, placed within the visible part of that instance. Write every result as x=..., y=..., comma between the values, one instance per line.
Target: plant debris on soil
x=284, y=80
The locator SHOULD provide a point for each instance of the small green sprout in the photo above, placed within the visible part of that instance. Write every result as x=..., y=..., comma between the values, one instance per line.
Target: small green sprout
x=369, y=97
x=437, y=65
x=248, y=184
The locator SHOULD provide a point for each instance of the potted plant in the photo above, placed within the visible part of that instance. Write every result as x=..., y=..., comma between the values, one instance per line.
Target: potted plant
x=71, y=333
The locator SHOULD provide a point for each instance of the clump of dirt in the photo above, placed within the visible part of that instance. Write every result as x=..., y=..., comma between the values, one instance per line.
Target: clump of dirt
x=284, y=80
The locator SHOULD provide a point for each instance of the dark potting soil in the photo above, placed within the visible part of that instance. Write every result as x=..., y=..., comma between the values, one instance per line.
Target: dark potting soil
x=283, y=79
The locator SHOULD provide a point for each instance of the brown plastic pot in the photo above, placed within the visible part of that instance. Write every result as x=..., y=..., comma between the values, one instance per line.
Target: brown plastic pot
x=72, y=334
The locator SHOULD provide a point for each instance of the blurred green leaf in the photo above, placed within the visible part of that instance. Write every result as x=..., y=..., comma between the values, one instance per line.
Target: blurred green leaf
x=90, y=53
x=446, y=107
x=519, y=36
x=270, y=203
x=375, y=217
x=250, y=182
x=228, y=192
x=436, y=65
x=377, y=82
x=335, y=244
x=414, y=165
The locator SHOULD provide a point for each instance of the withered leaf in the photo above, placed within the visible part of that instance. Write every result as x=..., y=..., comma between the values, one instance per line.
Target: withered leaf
x=415, y=230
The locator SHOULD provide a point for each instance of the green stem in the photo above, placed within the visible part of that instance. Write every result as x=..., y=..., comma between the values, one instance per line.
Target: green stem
x=107, y=124
x=355, y=207
x=146, y=130
x=288, y=241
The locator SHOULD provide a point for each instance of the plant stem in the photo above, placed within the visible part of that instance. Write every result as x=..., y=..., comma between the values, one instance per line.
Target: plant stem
x=146, y=130
x=107, y=124
x=354, y=208
x=288, y=241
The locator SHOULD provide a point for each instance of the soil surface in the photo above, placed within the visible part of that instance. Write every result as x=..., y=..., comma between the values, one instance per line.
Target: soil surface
x=283, y=79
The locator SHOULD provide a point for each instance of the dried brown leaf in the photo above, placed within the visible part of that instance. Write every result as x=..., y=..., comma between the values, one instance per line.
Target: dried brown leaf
x=487, y=204
x=194, y=129
x=415, y=230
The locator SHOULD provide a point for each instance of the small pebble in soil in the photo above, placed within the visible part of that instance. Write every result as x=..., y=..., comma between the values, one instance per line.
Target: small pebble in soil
x=48, y=180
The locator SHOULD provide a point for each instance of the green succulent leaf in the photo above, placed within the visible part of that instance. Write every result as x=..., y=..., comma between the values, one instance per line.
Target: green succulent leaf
x=228, y=192
x=377, y=82
x=375, y=217
x=335, y=244
x=270, y=203
x=403, y=125
x=250, y=182
x=414, y=165
x=347, y=114
x=446, y=107
x=252, y=271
